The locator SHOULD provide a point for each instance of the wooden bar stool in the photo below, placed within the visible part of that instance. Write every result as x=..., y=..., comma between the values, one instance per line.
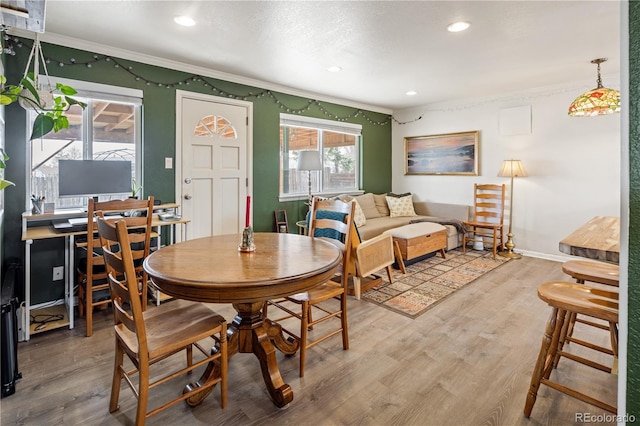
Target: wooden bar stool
x=566, y=298
x=589, y=271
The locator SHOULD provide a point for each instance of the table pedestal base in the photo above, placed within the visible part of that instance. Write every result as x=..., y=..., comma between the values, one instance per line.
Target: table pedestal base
x=248, y=333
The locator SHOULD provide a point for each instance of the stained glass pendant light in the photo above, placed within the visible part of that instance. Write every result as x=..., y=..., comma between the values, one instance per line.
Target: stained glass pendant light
x=599, y=101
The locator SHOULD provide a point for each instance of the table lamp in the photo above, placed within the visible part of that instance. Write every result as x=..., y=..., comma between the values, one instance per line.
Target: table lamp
x=511, y=168
x=309, y=161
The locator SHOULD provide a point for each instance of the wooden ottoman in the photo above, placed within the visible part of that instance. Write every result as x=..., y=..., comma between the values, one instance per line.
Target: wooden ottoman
x=418, y=239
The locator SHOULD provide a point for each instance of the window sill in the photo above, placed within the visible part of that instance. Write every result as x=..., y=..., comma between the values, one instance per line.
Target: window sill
x=283, y=198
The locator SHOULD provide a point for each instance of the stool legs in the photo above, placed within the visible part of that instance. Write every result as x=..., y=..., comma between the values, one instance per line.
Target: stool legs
x=546, y=357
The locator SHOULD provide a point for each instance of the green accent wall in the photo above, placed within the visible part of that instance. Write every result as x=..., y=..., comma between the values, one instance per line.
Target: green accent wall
x=633, y=348
x=159, y=129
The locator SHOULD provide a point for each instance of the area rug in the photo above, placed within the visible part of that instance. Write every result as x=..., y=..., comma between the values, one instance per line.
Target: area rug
x=430, y=281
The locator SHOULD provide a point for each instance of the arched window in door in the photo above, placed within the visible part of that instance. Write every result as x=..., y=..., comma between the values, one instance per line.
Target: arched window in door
x=215, y=125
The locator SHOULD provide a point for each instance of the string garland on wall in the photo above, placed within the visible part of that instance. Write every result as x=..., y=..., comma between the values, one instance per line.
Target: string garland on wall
x=12, y=42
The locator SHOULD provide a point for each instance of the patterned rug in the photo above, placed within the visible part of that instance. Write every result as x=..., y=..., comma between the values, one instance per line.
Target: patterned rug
x=430, y=281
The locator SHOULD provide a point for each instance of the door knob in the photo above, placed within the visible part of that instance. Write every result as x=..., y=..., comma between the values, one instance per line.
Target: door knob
x=187, y=180
x=187, y=197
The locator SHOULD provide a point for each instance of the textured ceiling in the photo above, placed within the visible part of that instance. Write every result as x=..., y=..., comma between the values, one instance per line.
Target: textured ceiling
x=384, y=48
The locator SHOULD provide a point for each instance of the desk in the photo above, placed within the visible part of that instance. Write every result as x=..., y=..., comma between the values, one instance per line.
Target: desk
x=44, y=230
x=212, y=270
x=598, y=239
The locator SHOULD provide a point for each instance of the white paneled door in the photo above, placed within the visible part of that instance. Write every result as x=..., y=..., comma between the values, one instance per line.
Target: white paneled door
x=213, y=163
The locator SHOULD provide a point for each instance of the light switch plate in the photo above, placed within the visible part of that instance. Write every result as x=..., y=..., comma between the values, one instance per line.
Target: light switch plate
x=168, y=163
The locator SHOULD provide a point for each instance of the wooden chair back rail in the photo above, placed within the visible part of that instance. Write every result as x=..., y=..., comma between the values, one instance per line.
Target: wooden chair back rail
x=146, y=342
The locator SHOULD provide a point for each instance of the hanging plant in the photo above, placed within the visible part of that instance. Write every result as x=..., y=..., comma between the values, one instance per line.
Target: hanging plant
x=3, y=162
x=50, y=104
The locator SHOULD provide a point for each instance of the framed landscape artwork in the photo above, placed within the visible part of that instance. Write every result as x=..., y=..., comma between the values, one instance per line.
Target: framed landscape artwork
x=446, y=154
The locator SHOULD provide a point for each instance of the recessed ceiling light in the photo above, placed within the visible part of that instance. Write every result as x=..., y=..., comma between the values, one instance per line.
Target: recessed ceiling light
x=458, y=26
x=411, y=93
x=185, y=21
x=334, y=69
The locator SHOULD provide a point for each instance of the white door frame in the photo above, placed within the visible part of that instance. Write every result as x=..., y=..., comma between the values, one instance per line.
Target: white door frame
x=182, y=94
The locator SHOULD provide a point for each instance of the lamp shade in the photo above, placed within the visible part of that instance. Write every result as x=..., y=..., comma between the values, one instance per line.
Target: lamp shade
x=309, y=160
x=512, y=168
x=599, y=101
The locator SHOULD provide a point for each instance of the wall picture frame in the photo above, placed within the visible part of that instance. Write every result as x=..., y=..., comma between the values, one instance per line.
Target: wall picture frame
x=443, y=154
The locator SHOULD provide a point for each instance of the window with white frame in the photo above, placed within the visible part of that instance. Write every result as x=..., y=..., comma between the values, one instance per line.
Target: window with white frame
x=109, y=128
x=338, y=145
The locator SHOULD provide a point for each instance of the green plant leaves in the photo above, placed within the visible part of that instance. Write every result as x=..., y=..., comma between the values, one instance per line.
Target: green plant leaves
x=42, y=125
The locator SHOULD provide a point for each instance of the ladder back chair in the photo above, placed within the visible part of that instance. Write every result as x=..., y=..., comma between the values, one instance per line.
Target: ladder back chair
x=93, y=288
x=147, y=337
x=330, y=220
x=488, y=217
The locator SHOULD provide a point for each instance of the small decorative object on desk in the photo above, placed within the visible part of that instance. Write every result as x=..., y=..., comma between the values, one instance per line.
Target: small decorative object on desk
x=246, y=245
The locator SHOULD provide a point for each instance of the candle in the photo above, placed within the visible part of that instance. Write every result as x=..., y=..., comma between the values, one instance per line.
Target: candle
x=248, y=208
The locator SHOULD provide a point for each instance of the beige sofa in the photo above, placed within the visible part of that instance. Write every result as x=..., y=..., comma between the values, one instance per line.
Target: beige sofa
x=378, y=219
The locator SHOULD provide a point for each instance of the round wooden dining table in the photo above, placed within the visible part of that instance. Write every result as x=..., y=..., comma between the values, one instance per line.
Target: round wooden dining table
x=213, y=270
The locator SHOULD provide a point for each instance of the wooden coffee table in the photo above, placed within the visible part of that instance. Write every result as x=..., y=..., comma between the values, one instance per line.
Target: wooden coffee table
x=418, y=239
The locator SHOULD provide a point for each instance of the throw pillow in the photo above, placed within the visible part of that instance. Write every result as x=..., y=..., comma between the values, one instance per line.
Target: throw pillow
x=401, y=206
x=368, y=205
x=391, y=194
x=381, y=204
x=359, y=218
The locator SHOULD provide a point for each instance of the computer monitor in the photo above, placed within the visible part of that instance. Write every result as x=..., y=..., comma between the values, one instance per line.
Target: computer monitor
x=93, y=177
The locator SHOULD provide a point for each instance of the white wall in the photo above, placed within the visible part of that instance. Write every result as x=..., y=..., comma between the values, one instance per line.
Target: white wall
x=573, y=162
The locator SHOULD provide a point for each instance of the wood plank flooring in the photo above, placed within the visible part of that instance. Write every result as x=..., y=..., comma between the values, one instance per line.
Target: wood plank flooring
x=467, y=361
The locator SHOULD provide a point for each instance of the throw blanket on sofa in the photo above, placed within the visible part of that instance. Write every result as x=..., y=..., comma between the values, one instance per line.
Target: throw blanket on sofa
x=453, y=222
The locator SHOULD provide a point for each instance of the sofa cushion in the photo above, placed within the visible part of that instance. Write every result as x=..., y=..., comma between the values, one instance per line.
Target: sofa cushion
x=368, y=205
x=359, y=218
x=402, y=206
x=381, y=204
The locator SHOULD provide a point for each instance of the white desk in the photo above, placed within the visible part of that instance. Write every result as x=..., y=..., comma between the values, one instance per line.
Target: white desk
x=44, y=230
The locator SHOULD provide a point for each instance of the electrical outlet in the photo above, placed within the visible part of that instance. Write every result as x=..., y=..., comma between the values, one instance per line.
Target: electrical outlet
x=58, y=273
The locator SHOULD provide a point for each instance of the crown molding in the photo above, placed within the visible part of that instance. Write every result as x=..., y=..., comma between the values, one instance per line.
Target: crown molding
x=75, y=43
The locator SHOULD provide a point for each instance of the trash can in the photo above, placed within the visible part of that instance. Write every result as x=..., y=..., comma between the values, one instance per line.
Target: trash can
x=9, y=341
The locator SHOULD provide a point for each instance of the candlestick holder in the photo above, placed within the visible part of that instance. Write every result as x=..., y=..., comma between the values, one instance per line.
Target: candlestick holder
x=246, y=244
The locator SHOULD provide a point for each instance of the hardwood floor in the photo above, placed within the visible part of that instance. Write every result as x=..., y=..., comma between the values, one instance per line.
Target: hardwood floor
x=467, y=361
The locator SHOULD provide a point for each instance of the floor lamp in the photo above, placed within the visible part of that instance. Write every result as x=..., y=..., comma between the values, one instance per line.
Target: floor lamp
x=511, y=168
x=309, y=161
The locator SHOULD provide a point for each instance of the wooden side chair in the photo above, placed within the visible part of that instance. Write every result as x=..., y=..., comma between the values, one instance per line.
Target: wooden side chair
x=566, y=298
x=93, y=288
x=147, y=337
x=330, y=220
x=488, y=217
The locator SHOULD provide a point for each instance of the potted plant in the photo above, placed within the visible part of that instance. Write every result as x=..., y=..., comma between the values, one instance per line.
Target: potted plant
x=135, y=189
x=49, y=103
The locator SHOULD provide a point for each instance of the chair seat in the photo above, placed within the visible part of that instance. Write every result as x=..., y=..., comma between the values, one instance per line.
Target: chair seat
x=482, y=224
x=581, y=299
x=597, y=272
x=190, y=322
x=325, y=291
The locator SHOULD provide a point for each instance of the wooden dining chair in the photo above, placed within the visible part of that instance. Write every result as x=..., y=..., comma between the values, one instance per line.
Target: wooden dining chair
x=147, y=337
x=330, y=220
x=93, y=288
x=488, y=217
